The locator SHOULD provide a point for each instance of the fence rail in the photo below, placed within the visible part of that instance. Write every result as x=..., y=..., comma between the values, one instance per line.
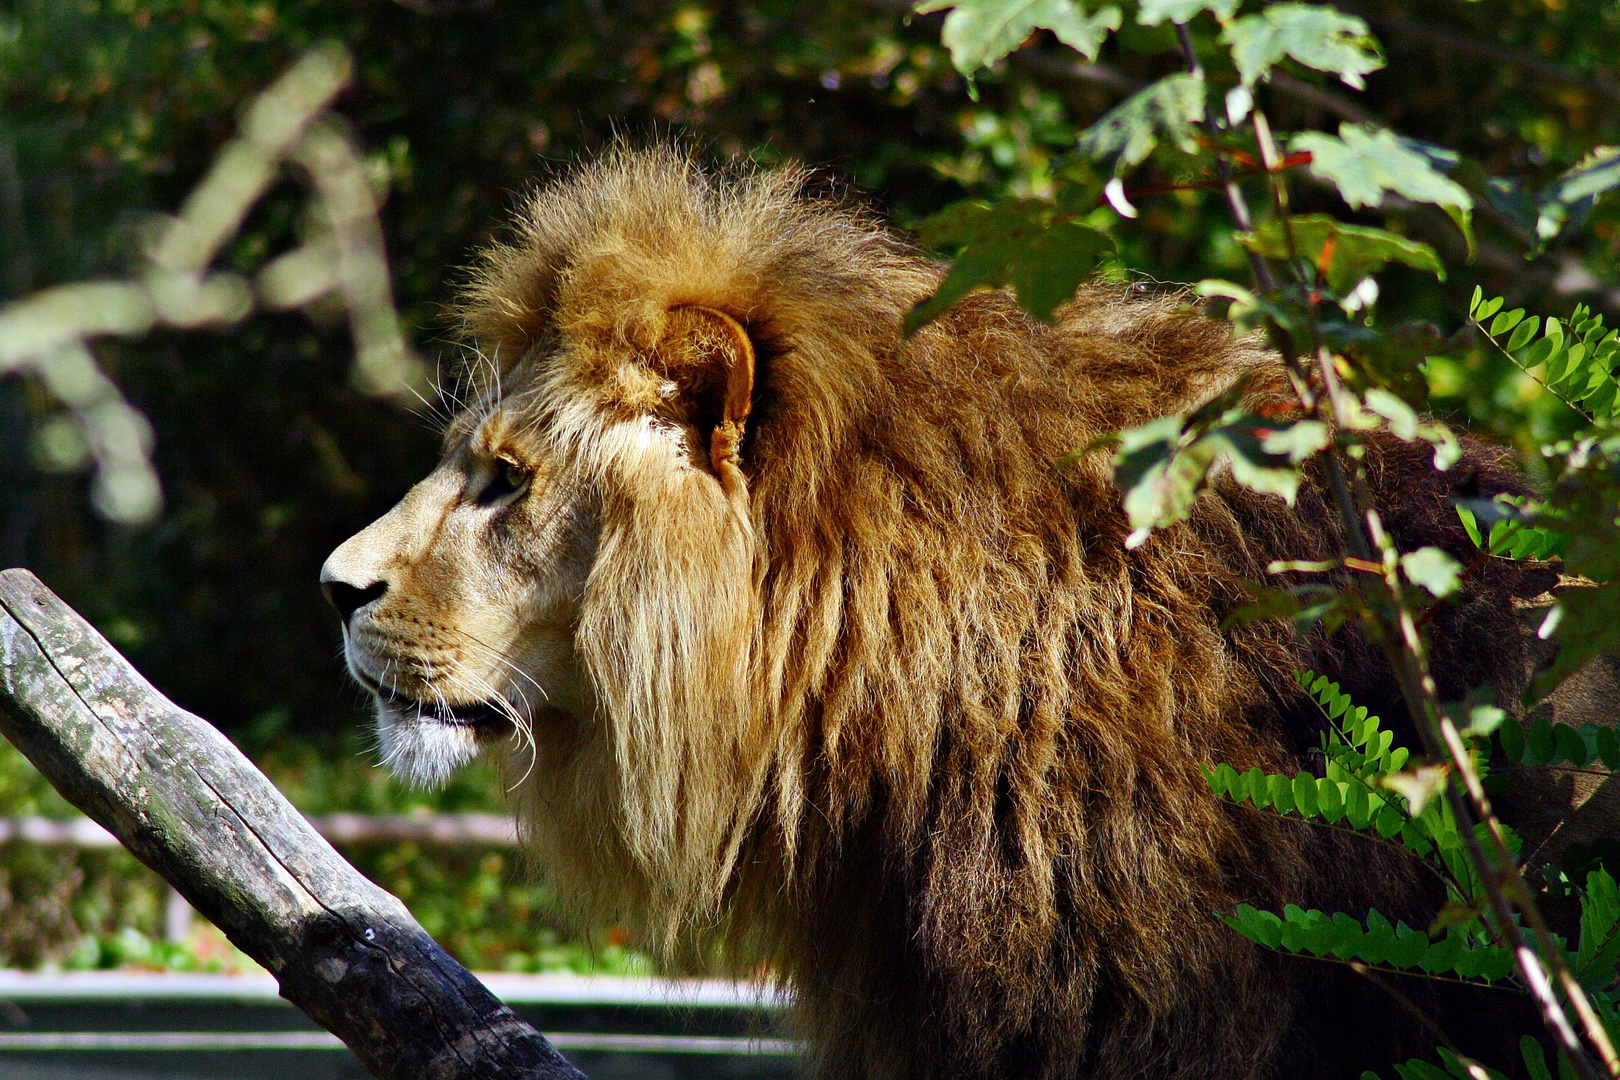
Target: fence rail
x=450, y=830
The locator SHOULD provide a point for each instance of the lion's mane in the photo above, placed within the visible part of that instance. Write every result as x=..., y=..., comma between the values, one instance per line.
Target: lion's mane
x=900, y=715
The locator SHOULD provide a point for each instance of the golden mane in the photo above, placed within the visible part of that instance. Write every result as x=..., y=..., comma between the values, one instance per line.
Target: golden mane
x=902, y=713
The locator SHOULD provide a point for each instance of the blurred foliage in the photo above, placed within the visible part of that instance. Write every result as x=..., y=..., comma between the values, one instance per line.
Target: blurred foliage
x=103, y=909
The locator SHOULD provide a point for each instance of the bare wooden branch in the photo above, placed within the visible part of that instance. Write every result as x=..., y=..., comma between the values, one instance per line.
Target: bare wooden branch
x=191, y=807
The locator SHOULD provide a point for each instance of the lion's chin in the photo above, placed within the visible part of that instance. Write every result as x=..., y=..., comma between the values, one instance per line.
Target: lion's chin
x=422, y=750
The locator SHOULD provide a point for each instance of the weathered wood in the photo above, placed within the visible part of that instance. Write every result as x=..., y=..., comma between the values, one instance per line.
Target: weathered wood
x=191, y=807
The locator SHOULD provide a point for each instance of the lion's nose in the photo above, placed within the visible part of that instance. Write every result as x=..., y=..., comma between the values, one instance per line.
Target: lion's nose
x=350, y=598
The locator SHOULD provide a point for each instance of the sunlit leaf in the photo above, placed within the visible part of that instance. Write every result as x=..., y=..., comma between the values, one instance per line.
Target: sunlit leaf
x=1419, y=785
x=1159, y=476
x=1154, y=12
x=980, y=32
x=1355, y=251
x=1575, y=191
x=1364, y=162
x=1316, y=36
x=1433, y=569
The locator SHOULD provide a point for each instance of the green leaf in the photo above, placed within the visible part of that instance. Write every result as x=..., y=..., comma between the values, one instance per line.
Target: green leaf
x=1470, y=525
x=1535, y=1059
x=1379, y=939
x=1541, y=351
x=1506, y=321
x=1358, y=807
x=1523, y=333
x=980, y=32
x=1053, y=264
x=1281, y=790
x=1388, y=821
x=1543, y=746
x=1223, y=779
x=1254, y=782
x=1410, y=947
x=1161, y=466
x=1028, y=244
x=1318, y=37
x=1356, y=251
x=1261, y=456
x=1154, y=12
x=1511, y=736
x=1160, y=477
x=1570, y=744
x=1260, y=927
x=1305, y=794
x=1434, y=570
x=1168, y=109
x=1608, y=748
x=1442, y=955
x=1597, y=173
x=1364, y=162
x=1330, y=799
x=1600, y=929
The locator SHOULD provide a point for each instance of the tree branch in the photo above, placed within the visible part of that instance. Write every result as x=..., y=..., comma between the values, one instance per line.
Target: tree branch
x=189, y=805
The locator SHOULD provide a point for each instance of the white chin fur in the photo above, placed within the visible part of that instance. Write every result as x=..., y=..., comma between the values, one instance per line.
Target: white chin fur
x=423, y=752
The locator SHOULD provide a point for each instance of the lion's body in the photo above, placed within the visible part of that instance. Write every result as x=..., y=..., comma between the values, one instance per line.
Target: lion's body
x=886, y=701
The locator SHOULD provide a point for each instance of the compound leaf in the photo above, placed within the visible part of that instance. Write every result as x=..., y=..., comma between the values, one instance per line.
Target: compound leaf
x=1600, y=928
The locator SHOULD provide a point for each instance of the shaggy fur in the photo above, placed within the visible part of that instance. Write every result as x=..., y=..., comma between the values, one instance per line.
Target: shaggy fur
x=892, y=709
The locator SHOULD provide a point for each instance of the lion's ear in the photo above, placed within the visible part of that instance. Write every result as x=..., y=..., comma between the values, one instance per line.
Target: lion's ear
x=712, y=359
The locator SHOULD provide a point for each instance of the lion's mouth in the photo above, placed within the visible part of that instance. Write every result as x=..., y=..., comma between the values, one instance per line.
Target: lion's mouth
x=481, y=716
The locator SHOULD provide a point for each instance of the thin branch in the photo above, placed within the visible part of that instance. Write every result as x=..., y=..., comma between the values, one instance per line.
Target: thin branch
x=1425, y=976
x=1504, y=888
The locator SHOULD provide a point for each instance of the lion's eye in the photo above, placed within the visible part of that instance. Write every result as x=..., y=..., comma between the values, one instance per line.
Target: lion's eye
x=509, y=478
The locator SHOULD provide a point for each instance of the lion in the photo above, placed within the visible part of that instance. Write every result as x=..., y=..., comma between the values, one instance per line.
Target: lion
x=787, y=631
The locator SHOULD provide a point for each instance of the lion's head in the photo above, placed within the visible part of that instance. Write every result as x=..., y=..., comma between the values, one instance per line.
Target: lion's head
x=576, y=586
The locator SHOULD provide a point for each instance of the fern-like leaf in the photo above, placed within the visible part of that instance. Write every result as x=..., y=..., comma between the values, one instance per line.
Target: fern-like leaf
x=1376, y=942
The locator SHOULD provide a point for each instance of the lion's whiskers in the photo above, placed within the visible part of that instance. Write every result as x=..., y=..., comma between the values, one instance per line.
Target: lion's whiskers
x=491, y=652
